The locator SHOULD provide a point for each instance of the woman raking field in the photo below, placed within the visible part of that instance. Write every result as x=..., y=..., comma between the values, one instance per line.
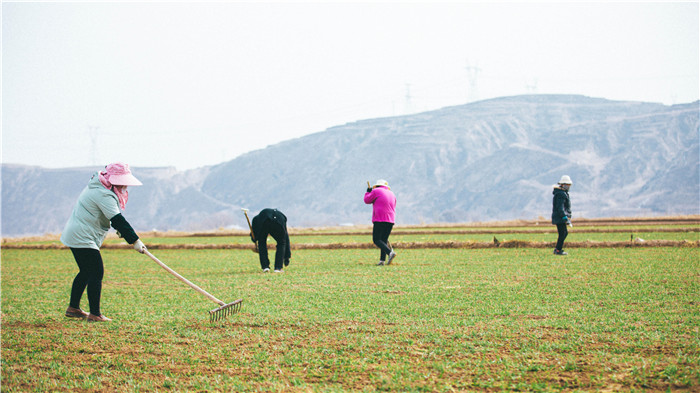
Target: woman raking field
x=99, y=205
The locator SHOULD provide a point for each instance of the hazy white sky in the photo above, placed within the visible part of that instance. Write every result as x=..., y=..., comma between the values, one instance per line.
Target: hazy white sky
x=194, y=84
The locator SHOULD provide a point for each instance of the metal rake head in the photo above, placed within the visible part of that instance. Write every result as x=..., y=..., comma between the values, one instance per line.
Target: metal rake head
x=225, y=310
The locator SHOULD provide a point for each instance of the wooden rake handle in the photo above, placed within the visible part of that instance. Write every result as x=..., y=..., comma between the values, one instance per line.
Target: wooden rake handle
x=252, y=235
x=183, y=279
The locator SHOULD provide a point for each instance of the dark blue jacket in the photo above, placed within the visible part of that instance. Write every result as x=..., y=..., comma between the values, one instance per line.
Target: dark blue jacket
x=561, y=206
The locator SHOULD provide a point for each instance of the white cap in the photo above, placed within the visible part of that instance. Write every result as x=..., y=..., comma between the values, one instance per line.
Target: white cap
x=565, y=180
x=381, y=182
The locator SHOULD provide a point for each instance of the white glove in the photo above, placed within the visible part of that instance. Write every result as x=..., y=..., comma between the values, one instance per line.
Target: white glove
x=139, y=246
x=570, y=224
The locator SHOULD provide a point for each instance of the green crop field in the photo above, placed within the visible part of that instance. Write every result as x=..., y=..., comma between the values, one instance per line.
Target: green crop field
x=436, y=320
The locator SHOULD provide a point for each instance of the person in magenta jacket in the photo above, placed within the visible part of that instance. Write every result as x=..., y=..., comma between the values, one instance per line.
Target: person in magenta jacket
x=383, y=203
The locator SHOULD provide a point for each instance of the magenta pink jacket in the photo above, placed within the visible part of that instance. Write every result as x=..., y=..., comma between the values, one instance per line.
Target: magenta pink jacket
x=383, y=204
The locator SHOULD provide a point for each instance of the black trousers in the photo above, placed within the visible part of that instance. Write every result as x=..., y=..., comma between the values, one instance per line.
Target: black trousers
x=380, y=237
x=278, y=231
x=563, y=233
x=91, y=272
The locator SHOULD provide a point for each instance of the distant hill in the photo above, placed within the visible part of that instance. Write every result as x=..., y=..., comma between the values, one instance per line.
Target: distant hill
x=489, y=160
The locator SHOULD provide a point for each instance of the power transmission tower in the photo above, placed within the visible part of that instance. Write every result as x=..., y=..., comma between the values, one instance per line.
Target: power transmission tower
x=472, y=75
x=93, y=132
x=531, y=87
x=409, y=107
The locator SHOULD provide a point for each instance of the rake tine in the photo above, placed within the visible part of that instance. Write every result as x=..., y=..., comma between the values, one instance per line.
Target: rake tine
x=225, y=310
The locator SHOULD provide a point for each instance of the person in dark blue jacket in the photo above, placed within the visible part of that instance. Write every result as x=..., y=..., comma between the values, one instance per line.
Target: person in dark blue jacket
x=271, y=222
x=561, y=212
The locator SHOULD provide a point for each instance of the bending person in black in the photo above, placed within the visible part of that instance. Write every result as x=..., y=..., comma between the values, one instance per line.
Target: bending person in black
x=271, y=222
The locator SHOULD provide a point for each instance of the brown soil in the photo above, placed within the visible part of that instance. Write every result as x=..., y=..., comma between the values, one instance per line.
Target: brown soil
x=584, y=225
x=397, y=245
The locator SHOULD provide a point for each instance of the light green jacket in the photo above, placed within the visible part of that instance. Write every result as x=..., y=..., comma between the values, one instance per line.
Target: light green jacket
x=88, y=225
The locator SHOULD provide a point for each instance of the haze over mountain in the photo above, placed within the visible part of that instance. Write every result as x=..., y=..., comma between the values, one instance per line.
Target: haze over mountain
x=489, y=160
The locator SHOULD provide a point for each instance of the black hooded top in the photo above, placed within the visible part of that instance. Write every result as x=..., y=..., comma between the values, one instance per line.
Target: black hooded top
x=561, y=206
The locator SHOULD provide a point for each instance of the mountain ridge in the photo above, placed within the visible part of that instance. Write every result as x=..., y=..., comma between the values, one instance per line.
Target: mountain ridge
x=489, y=160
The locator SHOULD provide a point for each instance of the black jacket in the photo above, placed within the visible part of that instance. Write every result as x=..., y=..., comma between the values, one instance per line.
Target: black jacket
x=561, y=206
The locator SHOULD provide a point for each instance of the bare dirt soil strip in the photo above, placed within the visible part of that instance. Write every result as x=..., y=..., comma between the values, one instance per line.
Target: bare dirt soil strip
x=551, y=229
x=534, y=226
x=397, y=245
x=529, y=227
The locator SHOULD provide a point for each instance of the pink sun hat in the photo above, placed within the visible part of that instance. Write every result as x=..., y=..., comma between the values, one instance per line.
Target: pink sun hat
x=119, y=174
